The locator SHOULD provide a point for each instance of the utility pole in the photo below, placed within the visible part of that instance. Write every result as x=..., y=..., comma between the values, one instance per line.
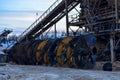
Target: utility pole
x=67, y=25
x=55, y=31
x=36, y=18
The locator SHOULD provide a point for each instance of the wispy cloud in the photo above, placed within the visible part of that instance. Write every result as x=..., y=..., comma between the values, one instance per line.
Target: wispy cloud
x=17, y=20
x=25, y=4
x=20, y=14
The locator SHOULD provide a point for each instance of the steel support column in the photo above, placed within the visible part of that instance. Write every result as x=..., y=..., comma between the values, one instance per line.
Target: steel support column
x=112, y=49
x=67, y=25
x=55, y=31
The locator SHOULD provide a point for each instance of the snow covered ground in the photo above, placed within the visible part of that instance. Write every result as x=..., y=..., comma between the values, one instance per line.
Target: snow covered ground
x=22, y=72
x=26, y=72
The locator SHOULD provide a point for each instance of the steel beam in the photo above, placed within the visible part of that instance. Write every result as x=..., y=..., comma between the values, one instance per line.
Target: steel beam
x=112, y=49
x=66, y=12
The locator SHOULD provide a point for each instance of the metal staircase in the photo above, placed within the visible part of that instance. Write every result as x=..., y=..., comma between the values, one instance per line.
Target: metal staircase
x=51, y=16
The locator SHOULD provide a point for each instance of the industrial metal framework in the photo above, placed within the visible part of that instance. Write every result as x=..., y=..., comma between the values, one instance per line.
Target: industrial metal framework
x=97, y=17
x=50, y=17
x=100, y=18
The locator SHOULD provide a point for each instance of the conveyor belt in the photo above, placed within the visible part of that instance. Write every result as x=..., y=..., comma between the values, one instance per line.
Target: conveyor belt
x=48, y=18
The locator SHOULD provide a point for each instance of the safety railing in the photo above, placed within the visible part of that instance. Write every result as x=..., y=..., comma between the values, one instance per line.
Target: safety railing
x=40, y=18
x=74, y=18
x=105, y=12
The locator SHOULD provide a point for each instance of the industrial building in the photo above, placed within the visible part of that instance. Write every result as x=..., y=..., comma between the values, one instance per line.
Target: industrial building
x=99, y=21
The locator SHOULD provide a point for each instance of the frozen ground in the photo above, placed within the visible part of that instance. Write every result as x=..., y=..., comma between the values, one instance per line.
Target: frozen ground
x=21, y=72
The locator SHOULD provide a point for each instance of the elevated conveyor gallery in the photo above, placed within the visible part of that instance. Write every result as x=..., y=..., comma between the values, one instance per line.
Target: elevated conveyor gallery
x=48, y=18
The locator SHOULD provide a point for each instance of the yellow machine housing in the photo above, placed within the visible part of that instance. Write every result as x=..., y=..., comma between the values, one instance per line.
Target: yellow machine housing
x=62, y=46
x=39, y=49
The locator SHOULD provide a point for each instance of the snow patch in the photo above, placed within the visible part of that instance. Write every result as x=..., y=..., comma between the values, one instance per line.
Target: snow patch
x=26, y=72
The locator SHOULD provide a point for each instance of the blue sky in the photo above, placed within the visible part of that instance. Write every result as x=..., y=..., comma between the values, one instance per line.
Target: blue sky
x=25, y=5
x=20, y=14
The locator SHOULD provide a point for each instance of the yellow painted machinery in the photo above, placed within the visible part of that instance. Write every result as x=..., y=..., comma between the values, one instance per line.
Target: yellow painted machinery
x=39, y=49
x=50, y=53
x=70, y=51
x=62, y=49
